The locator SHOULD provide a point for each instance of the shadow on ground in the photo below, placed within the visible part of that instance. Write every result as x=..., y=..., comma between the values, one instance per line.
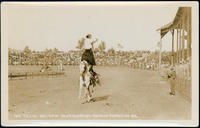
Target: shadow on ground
x=96, y=99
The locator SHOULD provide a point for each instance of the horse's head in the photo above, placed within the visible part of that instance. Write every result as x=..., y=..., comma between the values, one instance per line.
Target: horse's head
x=84, y=67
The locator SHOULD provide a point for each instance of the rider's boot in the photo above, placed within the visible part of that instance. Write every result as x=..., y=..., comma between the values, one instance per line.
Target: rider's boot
x=95, y=77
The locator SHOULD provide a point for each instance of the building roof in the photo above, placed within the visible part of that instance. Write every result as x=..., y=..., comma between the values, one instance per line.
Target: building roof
x=175, y=24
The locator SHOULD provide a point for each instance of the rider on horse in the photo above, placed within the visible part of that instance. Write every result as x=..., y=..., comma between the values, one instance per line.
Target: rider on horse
x=88, y=54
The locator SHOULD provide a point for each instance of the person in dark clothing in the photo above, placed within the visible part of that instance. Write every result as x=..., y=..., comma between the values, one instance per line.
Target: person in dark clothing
x=89, y=56
x=172, y=77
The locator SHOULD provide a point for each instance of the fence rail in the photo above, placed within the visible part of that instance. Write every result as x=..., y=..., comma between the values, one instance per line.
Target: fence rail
x=32, y=74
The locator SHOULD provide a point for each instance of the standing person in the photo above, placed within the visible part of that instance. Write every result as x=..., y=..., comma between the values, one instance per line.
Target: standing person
x=60, y=65
x=88, y=51
x=172, y=77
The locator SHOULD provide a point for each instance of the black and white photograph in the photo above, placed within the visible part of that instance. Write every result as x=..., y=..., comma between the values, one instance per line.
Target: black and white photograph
x=99, y=63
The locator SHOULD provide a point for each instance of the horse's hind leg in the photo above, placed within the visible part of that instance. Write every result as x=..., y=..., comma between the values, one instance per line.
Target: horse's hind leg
x=87, y=94
x=80, y=89
x=92, y=88
x=81, y=86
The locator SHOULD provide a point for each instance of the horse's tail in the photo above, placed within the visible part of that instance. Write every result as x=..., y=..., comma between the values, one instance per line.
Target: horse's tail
x=98, y=79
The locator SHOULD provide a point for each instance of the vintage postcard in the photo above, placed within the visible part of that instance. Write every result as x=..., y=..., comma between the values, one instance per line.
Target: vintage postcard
x=99, y=63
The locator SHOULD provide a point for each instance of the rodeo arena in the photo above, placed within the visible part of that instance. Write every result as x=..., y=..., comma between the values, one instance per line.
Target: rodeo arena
x=138, y=84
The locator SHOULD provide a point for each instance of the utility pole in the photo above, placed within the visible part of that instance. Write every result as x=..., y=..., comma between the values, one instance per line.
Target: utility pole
x=172, y=62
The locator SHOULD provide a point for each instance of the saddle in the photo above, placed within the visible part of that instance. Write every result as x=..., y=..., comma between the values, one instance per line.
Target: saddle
x=94, y=77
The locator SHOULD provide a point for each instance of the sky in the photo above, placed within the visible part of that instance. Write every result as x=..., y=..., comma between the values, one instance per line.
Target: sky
x=61, y=25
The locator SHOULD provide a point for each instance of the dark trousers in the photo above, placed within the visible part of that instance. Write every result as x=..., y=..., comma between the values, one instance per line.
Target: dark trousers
x=172, y=85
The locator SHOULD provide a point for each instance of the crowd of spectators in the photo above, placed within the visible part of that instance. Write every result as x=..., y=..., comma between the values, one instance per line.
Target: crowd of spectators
x=111, y=57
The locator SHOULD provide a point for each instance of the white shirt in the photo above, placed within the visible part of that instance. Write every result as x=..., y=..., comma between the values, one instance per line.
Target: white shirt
x=88, y=43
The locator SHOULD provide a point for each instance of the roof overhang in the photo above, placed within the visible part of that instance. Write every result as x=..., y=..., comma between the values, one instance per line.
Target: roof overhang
x=175, y=24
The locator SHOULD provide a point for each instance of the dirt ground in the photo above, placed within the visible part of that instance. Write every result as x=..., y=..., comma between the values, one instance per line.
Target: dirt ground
x=125, y=94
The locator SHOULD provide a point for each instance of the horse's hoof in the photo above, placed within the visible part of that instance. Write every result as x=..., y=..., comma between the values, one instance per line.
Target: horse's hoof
x=88, y=100
x=85, y=102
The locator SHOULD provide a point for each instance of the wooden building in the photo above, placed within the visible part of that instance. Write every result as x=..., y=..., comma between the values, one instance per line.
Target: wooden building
x=182, y=26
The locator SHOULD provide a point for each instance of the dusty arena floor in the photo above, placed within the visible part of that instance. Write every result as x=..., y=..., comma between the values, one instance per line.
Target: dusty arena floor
x=125, y=94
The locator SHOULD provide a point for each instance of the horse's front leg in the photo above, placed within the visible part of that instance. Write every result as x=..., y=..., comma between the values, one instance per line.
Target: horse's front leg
x=88, y=94
x=80, y=87
x=87, y=91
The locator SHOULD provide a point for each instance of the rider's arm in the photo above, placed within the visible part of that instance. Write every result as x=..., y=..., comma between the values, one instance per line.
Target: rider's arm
x=92, y=43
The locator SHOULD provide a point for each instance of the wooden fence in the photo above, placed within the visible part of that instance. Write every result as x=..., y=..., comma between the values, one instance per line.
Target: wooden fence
x=33, y=74
x=183, y=83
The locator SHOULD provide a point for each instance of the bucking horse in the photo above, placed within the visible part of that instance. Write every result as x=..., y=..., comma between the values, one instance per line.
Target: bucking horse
x=88, y=80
